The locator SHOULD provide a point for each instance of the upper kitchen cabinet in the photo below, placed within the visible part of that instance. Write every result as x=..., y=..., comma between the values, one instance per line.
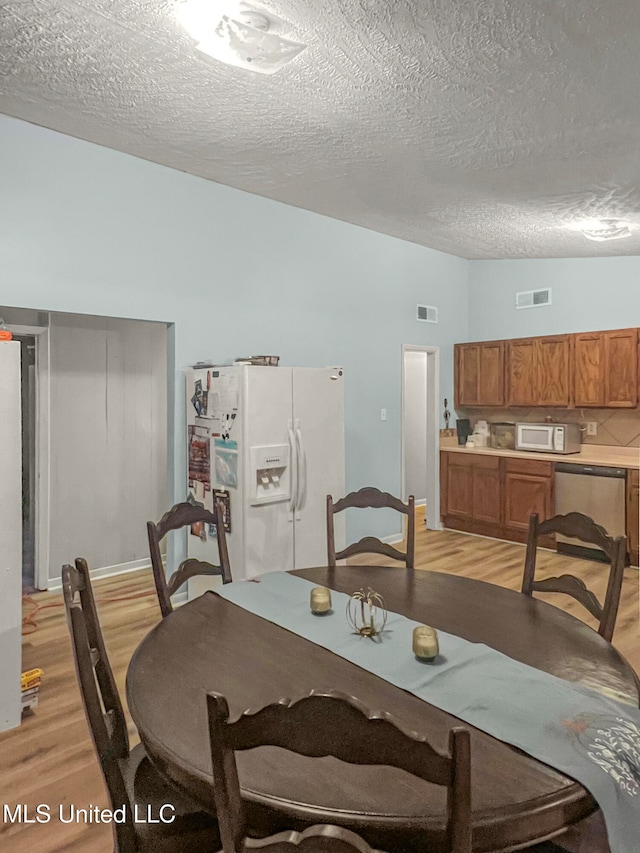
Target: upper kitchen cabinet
x=538, y=371
x=606, y=369
x=479, y=374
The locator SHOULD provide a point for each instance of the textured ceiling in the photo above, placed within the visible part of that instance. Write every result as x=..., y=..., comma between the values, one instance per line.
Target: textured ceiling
x=476, y=128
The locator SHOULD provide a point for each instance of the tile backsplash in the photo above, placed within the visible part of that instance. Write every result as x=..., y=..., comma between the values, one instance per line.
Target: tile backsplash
x=616, y=427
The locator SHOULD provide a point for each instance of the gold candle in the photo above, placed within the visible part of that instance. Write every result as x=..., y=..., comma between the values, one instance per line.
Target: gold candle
x=320, y=599
x=425, y=642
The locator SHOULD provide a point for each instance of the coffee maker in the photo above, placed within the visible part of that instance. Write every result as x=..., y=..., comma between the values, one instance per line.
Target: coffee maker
x=463, y=428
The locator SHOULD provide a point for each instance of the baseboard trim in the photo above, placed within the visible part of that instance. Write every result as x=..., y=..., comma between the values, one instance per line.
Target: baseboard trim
x=483, y=536
x=55, y=584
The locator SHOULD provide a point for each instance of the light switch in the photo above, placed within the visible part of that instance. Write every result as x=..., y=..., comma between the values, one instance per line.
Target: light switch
x=383, y=414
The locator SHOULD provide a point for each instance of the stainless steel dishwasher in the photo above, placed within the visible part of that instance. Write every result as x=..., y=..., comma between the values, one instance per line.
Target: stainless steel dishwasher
x=596, y=491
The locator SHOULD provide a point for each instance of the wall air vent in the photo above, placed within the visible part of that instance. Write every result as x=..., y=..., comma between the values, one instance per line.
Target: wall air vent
x=533, y=298
x=427, y=314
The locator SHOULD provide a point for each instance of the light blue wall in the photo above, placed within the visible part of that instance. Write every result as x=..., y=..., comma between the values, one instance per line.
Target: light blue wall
x=588, y=294
x=89, y=230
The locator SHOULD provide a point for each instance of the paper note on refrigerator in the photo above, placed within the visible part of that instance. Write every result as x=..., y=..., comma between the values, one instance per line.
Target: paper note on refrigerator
x=199, y=462
x=223, y=395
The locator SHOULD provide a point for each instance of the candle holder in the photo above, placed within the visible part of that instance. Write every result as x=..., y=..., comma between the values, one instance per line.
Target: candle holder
x=366, y=612
x=425, y=642
x=320, y=600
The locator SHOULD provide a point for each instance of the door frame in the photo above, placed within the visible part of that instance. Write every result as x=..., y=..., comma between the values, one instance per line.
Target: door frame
x=42, y=454
x=432, y=379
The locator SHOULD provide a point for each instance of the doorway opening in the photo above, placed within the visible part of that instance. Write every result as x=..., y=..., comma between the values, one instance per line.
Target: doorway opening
x=97, y=400
x=420, y=433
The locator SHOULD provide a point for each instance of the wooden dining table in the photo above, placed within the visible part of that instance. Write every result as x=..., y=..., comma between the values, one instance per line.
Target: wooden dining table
x=210, y=644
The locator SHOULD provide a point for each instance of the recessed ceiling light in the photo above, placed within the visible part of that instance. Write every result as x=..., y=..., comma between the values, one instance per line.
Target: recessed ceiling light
x=602, y=229
x=240, y=35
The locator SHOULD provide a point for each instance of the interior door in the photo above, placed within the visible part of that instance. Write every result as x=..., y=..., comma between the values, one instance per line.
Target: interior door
x=318, y=411
x=10, y=535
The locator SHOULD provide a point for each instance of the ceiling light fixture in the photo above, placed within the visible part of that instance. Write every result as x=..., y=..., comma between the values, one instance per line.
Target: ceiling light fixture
x=602, y=229
x=608, y=229
x=241, y=37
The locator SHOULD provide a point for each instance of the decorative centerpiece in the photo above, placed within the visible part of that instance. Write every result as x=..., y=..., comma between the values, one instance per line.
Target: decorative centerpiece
x=425, y=642
x=320, y=600
x=366, y=612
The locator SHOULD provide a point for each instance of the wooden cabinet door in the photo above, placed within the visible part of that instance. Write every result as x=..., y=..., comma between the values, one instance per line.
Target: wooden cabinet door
x=538, y=371
x=521, y=372
x=552, y=371
x=606, y=369
x=621, y=368
x=528, y=488
x=460, y=486
x=491, y=374
x=479, y=374
x=633, y=515
x=467, y=363
x=588, y=358
x=486, y=487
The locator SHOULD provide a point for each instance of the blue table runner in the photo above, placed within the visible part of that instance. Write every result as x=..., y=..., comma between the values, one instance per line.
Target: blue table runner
x=579, y=732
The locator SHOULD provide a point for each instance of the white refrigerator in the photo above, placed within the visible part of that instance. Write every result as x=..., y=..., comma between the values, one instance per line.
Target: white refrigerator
x=269, y=441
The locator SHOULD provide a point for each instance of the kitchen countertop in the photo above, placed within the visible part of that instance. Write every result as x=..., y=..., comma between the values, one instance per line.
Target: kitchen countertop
x=590, y=454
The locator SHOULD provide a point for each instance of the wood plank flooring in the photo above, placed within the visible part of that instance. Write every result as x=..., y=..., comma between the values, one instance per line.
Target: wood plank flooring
x=50, y=759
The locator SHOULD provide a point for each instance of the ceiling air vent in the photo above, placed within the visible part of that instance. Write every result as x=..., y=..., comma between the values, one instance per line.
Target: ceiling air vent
x=427, y=314
x=533, y=298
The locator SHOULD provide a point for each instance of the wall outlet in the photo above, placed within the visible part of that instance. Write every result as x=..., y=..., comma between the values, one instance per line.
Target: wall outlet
x=592, y=427
x=383, y=414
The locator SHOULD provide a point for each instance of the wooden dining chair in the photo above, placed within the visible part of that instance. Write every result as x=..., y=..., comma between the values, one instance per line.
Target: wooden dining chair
x=183, y=515
x=365, y=498
x=129, y=776
x=332, y=724
x=579, y=526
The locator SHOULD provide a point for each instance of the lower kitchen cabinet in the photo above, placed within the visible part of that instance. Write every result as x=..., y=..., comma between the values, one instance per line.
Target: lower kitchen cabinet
x=494, y=496
x=471, y=484
x=633, y=514
x=528, y=488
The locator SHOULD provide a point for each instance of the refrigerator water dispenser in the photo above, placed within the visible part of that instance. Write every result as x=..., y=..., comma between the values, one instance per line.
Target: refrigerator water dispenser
x=270, y=476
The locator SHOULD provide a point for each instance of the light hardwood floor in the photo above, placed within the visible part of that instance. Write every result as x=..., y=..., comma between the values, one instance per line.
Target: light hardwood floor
x=50, y=759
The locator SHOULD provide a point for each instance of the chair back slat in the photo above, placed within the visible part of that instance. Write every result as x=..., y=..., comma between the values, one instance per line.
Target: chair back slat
x=322, y=838
x=182, y=515
x=98, y=689
x=371, y=545
x=323, y=724
x=578, y=526
x=370, y=497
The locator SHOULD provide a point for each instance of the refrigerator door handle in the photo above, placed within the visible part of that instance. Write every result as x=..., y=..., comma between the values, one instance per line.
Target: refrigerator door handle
x=302, y=470
x=293, y=478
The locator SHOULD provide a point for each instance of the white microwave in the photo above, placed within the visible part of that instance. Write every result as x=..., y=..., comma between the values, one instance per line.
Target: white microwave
x=548, y=438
